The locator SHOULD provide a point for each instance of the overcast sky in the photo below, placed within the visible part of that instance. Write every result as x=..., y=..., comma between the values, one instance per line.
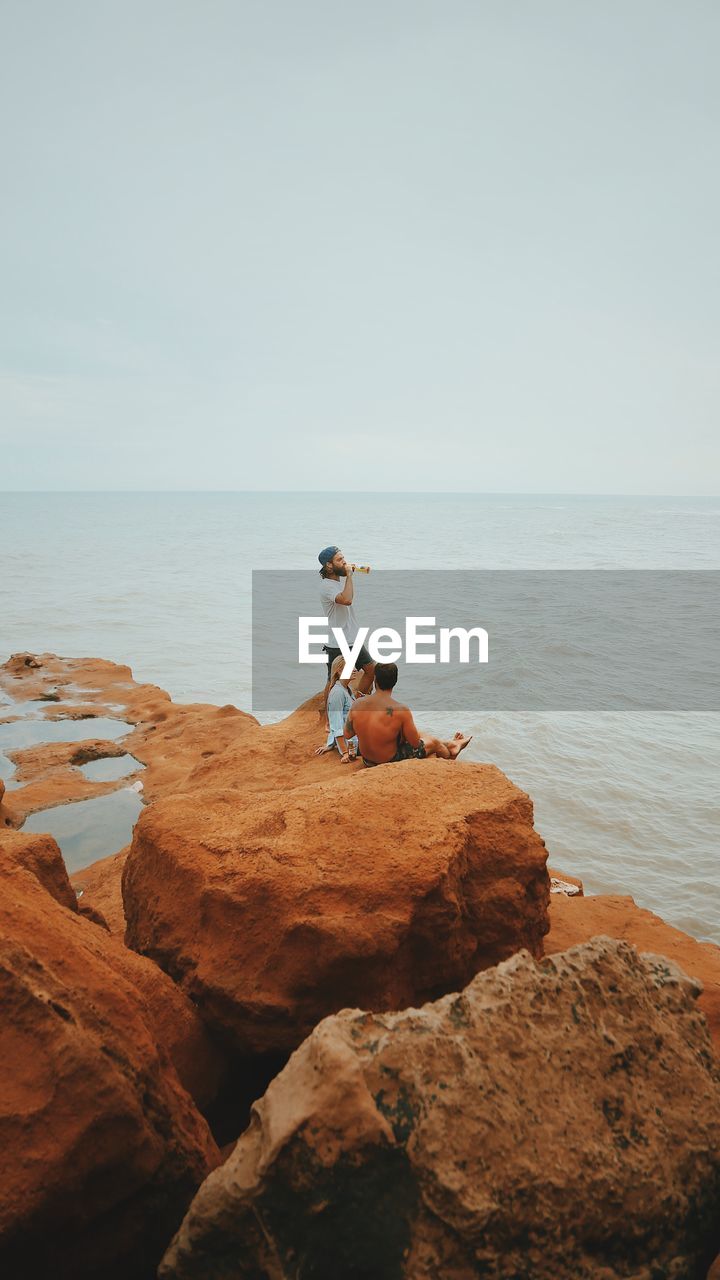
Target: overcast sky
x=396, y=244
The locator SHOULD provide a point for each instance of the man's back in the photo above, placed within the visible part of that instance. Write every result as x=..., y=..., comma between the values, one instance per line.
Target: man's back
x=381, y=724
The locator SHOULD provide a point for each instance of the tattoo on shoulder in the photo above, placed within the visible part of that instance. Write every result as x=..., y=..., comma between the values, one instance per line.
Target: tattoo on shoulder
x=388, y=711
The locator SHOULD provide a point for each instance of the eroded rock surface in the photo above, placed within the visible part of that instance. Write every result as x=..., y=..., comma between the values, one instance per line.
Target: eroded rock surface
x=551, y=1122
x=382, y=889
x=576, y=920
x=169, y=738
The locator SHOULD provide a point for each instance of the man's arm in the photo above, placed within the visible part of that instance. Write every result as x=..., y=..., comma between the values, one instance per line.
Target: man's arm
x=346, y=595
x=409, y=729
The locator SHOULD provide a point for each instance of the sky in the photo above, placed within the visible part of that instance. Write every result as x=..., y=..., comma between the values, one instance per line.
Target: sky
x=397, y=245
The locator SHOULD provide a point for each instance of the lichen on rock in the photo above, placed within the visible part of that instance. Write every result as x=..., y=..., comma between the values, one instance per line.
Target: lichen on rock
x=553, y=1121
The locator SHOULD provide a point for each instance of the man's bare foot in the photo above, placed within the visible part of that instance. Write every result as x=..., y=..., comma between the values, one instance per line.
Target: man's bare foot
x=457, y=745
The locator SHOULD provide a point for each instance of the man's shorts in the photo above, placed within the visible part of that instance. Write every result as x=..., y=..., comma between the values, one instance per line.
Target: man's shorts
x=404, y=752
x=361, y=661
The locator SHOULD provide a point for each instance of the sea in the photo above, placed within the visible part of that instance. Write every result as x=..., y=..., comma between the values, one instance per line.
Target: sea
x=627, y=800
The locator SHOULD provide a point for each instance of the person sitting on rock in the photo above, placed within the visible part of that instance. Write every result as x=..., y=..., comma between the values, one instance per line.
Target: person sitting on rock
x=386, y=730
x=339, y=704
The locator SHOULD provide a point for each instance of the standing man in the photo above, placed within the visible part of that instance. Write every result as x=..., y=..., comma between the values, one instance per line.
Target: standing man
x=336, y=593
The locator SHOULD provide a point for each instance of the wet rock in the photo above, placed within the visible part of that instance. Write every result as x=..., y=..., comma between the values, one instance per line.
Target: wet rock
x=381, y=889
x=101, y=1145
x=552, y=1122
x=166, y=737
x=19, y=662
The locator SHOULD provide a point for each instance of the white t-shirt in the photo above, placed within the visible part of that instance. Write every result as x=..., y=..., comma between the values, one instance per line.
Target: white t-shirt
x=340, y=616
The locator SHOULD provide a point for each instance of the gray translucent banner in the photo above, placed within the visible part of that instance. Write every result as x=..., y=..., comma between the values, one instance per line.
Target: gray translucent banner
x=600, y=640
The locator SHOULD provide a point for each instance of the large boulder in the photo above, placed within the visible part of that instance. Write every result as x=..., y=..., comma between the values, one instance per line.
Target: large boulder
x=552, y=1122
x=101, y=1145
x=381, y=889
x=172, y=1018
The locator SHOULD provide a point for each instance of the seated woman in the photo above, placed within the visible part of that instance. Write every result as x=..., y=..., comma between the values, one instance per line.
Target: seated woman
x=339, y=702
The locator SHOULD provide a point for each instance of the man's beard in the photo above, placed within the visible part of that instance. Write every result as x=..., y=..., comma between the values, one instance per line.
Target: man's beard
x=342, y=572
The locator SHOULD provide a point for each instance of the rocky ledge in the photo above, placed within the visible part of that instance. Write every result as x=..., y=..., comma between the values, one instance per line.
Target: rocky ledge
x=481, y=1111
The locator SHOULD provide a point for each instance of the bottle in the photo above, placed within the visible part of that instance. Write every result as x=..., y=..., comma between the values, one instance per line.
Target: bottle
x=360, y=568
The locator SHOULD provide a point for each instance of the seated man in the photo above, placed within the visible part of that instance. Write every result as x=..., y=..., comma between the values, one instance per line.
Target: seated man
x=385, y=729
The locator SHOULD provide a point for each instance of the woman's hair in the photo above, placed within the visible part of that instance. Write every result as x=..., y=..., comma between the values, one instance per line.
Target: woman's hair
x=336, y=670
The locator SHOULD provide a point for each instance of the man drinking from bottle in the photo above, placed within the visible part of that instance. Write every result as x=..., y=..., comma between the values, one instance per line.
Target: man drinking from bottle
x=337, y=593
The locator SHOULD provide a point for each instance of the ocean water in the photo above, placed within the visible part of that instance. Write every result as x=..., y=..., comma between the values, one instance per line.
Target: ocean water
x=162, y=582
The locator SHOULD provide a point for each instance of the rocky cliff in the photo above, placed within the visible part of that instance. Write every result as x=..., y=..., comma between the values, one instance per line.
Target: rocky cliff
x=541, y=1120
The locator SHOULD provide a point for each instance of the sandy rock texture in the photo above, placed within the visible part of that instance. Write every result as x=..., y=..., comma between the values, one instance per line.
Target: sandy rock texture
x=552, y=1122
x=101, y=1145
x=575, y=920
x=382, y=889
x=100, y=886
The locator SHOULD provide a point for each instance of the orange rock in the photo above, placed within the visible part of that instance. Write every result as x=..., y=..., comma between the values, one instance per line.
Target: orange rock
x=100, y=885
x=574, y=920
x=171, y=1017
x=20, y=662
x=101, y=1146
x=39, y=855
x=169, y=739
x=382, y=889
x=553, y=1121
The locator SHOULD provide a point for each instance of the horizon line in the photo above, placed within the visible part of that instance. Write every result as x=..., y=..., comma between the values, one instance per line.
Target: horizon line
x=458, y=493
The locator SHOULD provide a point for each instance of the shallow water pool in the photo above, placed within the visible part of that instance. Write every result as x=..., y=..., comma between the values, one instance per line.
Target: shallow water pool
x=7, y=769
x=110, y=768
x=89, y=829
x=30, y=732
x=30, y=709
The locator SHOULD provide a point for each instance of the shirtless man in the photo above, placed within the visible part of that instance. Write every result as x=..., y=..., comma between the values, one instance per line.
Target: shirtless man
x=386, y=731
